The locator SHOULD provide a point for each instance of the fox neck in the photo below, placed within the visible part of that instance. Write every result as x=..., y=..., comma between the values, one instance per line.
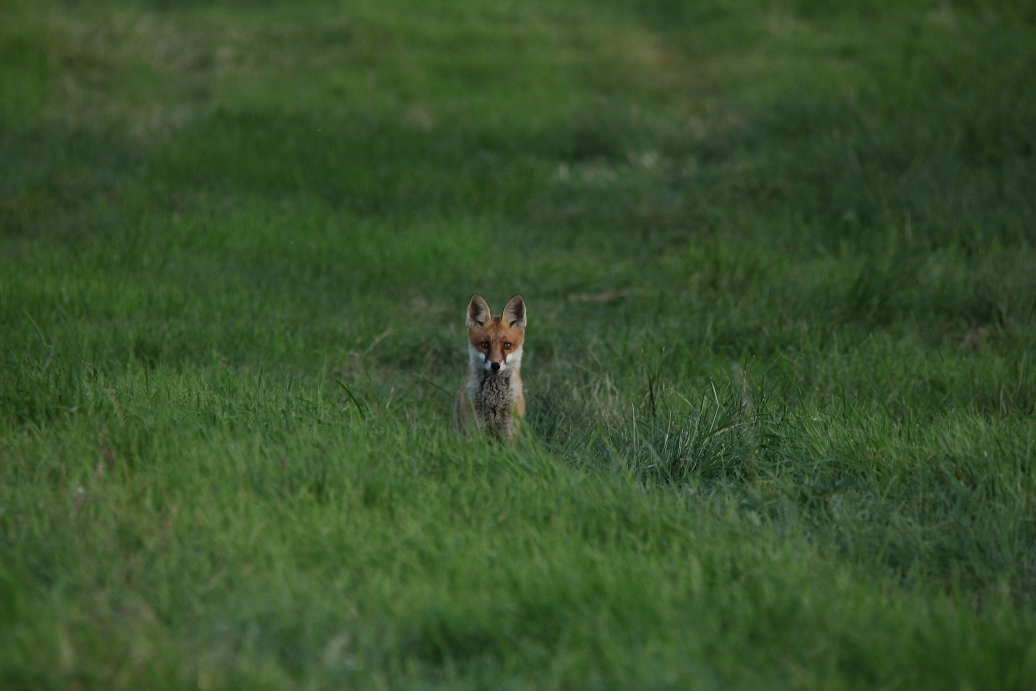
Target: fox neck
x=505, y=378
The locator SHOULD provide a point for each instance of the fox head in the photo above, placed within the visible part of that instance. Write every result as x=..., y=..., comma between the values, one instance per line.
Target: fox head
x=495, y=343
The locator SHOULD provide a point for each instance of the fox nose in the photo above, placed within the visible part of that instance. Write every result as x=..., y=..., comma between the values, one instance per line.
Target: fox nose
x=494, y=366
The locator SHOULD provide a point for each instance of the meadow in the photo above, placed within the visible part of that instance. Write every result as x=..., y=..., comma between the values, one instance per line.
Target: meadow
x=780, y=264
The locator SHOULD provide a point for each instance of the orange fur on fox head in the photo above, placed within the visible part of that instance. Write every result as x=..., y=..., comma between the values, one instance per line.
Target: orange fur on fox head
x=495, y=342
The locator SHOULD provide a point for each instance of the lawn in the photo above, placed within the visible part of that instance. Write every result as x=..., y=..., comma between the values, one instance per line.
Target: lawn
x=780, y=265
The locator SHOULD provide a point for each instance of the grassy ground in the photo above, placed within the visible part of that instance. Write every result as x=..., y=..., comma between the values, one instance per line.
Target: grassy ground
x=779, y=262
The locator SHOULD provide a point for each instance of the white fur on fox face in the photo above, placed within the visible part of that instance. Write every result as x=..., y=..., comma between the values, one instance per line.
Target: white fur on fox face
x=479, y=360
x=513, y=360
x=477, y=357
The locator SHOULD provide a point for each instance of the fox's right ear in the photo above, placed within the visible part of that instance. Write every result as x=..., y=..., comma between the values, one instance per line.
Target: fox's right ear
x=478, y=311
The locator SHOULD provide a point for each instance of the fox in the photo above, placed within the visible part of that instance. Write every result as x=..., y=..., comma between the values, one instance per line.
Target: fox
x=492, y=400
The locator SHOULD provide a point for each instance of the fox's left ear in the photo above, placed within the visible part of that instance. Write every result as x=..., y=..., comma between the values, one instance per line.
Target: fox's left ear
x=514, y=313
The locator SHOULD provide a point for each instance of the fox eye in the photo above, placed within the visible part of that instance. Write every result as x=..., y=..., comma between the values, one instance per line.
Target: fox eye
x=507, y=346
x=485, y=345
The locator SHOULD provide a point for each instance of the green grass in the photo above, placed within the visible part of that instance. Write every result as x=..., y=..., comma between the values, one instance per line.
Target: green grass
x=781, y=367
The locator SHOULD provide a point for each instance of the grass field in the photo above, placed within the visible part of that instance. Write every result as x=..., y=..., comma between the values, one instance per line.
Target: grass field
x=780, y=264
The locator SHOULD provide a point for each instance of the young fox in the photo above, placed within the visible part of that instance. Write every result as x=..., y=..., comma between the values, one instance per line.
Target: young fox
x=492, y=400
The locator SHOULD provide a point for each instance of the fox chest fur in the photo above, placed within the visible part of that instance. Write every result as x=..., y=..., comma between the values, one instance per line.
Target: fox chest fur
x=492, y=401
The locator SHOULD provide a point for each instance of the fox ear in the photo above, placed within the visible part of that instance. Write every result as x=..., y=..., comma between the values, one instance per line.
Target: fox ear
x=478, y=311
x=514, y=313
